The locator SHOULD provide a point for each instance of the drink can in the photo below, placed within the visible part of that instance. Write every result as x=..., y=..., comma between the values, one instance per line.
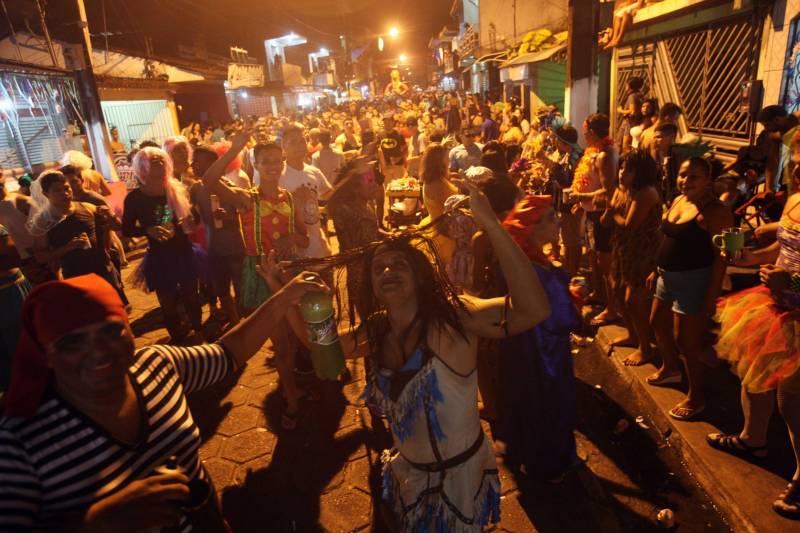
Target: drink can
x=214, y=206
x=565, y=194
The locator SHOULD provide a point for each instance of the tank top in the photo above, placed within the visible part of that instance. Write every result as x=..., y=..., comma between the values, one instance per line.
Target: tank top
x=685, y=246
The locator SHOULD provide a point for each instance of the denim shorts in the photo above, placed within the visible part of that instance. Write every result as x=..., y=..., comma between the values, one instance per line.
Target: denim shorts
x=686, y=289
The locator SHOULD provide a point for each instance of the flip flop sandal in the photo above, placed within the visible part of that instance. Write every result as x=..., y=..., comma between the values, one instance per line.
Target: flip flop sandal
x=734, y=445
x=604, y=321
x=788, y=503
x=665, y=380
x=690, y=413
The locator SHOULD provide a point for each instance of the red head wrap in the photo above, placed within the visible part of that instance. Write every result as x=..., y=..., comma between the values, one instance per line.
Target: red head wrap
x=50, y=311
x=520, y=222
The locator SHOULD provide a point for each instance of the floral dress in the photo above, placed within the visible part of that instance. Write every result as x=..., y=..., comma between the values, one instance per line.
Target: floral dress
x=635, y=249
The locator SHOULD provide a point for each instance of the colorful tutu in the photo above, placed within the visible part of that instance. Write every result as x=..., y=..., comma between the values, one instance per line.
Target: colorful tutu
x=760, y=340
x=255, y=290
x=166, y=271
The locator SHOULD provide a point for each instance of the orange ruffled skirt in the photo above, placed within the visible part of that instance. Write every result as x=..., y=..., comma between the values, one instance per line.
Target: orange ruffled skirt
x=760, y=340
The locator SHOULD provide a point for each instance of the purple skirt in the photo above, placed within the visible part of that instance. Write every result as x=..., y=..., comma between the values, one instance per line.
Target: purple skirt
x=166, y=271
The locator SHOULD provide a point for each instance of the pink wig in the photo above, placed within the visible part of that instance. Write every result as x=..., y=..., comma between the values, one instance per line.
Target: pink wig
x=177, y=197
x=222, y=148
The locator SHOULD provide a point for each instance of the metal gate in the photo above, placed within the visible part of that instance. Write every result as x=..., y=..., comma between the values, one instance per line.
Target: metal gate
x=702, y=71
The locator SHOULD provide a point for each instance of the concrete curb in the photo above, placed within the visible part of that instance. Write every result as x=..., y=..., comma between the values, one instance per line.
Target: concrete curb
x=743, y=492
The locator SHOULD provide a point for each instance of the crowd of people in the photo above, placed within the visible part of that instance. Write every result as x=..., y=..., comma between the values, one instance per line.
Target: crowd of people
x=523, y=221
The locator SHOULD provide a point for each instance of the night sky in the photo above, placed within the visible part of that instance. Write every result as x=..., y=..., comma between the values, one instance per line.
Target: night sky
x=245, y=23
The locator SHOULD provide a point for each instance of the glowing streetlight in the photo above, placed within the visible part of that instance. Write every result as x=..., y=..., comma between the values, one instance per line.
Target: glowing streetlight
x=394, y=32
x=403, y=58
x=380, y=44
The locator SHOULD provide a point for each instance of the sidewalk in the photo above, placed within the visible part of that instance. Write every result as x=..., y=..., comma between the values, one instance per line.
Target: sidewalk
x=742, y=491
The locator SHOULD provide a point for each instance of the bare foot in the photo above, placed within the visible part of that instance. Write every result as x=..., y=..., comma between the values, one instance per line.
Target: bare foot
x=637, y=358
x=604, y=317
x=664, y=377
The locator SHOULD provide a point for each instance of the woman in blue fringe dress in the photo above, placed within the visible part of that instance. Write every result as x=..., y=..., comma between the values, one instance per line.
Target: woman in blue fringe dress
x=422, y=338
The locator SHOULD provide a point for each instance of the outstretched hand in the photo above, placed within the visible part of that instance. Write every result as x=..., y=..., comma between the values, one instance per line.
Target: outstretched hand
x=301, y=284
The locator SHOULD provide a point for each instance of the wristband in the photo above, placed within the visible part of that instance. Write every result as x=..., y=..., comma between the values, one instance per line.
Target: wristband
x=794, y=283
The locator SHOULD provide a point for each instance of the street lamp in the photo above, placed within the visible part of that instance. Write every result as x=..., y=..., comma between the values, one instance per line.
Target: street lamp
x=394, y=32
x=403, y=58
x=380, y=44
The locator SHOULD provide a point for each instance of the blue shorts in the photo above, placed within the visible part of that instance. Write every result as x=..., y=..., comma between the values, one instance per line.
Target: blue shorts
x=686, y=289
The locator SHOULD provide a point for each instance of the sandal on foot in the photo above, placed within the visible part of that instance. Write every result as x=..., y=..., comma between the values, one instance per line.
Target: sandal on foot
x=686, y=413
x=663, y=380
x=736, y=446
x=604, y=321
x=788, y=503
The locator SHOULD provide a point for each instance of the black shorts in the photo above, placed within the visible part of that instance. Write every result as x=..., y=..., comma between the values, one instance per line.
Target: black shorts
x=226, y=269
x=598, y=236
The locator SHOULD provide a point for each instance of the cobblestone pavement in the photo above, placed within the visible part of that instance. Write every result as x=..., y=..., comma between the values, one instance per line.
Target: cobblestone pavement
x=320, y=477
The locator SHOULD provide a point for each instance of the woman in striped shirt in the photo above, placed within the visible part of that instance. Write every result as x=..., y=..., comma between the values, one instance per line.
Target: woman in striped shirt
x=88, y=419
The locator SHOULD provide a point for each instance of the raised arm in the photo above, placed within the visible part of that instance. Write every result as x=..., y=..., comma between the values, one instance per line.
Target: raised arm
x=212, y=176
x=526, y=304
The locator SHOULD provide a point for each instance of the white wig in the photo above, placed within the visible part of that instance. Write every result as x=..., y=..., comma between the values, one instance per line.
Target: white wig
x=77, y=159
x=41, y=217
x=477, y=173
x=171, y=142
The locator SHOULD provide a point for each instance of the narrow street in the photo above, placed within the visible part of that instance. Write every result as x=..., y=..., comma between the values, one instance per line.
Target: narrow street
x=321, y=477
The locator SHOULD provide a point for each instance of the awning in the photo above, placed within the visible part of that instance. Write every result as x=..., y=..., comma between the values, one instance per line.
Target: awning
x=494, y=56
x=534, y=57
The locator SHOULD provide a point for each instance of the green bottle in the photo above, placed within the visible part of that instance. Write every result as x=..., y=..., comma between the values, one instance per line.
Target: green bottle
x=326, y=351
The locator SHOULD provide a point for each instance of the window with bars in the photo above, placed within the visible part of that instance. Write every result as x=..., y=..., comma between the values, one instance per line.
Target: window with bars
x=709, y=67
x=702, y=71
x=790, y=91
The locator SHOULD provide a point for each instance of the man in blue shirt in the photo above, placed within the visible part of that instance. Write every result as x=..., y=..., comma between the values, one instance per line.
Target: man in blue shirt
x=466, y=154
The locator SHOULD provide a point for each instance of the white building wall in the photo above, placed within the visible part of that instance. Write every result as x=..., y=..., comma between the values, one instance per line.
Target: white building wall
x=530, y=15
x=773, y=48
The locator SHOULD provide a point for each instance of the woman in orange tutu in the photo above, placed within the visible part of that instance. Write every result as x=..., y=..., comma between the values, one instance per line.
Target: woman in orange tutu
x=760, y=337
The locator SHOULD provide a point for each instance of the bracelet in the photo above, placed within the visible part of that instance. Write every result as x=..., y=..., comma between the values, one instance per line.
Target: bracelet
x=794, y=283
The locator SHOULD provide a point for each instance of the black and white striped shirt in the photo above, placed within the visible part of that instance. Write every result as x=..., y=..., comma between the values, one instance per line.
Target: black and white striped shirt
x=59, y=462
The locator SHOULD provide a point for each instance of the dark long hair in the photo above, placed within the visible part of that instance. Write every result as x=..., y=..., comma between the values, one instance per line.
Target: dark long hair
x=438, y=303
x=644, y=168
